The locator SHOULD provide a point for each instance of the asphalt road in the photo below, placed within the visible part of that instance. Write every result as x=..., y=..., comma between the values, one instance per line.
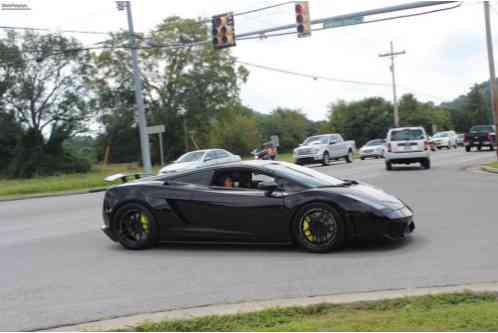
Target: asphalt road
x=57, y=267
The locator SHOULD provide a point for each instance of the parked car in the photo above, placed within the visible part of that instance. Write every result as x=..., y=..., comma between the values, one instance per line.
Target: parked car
x=446, y=139
x=199, y=158
x=460, y=140
x=373, y=148
x=480, y=136
x=407, y=145
x=252, y=201
x=323, y=149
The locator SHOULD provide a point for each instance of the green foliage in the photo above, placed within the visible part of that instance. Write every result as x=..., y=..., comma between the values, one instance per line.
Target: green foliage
x=363, y=120
x=235, y=132
x=415, y=113
x=450, y=312
x=290, y=125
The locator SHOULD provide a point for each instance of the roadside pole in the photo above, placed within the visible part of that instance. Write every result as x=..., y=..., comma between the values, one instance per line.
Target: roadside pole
x=392, y=54
x=492, y=75
x=142, y=121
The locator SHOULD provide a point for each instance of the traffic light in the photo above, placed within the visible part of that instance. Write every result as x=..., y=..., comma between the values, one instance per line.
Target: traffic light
x=302, y=19
x=223, y=31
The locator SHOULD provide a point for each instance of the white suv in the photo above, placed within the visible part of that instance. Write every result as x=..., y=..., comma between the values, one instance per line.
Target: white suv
x=407, y=145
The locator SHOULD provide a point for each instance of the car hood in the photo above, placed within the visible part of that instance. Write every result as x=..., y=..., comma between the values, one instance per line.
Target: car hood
x=370, y=196
x=318, y=145
x=174, y=167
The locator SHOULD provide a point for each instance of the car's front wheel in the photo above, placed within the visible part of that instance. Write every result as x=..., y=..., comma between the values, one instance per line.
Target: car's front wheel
x=467, y=149
x=135, y=227
x=426, y=164
x=326, y=159
x=389, y=166
x=318, y=228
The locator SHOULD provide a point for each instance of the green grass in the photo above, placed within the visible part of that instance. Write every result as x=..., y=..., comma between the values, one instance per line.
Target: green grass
x=70, y=182
x=493, y=164
x=450, y=312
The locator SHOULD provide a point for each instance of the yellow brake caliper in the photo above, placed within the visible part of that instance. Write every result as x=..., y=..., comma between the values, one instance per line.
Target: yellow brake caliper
x=306, y=229
x=145, y=222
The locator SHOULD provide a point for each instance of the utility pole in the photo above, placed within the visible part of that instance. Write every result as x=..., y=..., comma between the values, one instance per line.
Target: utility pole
x=142, y=121
x=492, y=75
x=392, y=54
x=183, y=112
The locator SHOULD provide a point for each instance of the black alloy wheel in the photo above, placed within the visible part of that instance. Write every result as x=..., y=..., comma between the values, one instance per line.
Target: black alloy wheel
x=318, y=228
x=135, y=227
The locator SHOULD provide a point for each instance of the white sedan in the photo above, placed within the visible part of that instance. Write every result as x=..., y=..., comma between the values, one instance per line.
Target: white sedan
x=373, y=148
x=199, y=158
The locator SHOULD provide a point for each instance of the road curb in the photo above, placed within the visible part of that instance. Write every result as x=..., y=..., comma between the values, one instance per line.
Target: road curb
x=51, y=195
x=246, y=307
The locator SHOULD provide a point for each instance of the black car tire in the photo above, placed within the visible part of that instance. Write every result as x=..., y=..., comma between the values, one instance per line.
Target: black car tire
x=426, y=164
x=389, y=166
x=491, y=147
x=479, y=148
x=467, y=149
x=152, y=233
x=334, y=243
x=362, y=158
x=326, y=159
x=349, y=157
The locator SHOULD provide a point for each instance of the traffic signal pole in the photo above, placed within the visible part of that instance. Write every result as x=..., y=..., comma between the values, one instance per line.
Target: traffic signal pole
x=142, y=121
x=492, y=75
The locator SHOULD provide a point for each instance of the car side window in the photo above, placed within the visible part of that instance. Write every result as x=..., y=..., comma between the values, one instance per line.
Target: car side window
x=211, y=155
x=285, y=185
x=221, y=154
x=197, y=178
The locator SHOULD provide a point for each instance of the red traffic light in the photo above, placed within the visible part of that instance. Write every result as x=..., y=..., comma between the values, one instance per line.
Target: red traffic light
x=299, y=8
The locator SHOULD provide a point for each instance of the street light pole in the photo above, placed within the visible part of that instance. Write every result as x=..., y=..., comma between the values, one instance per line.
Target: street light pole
x=142, y=121
x=492, y=75
x=392, y=54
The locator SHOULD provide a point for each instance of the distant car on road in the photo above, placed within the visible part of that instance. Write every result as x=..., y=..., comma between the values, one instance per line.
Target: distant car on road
x=373, y=148
x=323, y=149
x=252, y=201
x=407, y=145
x=199, y=158
x=446, y=139
x=480, y=136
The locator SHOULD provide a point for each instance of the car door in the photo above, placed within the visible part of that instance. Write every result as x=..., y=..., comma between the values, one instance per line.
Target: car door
x=240, y=214
x=335, y=147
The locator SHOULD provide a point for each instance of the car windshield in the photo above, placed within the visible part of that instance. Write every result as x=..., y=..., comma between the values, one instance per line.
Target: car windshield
x=440, y=135
x=316, y=140
x=190, y=157
x=482, y=129
x=407, y=134
x=375, y=142
x=303, y=175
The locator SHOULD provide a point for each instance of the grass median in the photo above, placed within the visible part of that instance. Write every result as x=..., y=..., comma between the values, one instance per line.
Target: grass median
x=493, y=164
x=449, y=312
x=64, y=183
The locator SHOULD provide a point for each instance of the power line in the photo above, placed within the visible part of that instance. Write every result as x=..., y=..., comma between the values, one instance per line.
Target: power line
x=327, y=78
x=56, y=30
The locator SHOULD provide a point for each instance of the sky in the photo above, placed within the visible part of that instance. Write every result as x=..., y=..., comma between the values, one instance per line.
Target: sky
x=445, y=52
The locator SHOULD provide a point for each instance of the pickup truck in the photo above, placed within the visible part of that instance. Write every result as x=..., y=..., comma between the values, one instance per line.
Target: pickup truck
x=324, y=149
x=480, y=136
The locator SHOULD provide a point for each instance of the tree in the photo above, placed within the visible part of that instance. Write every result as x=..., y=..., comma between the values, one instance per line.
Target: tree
x=47, y=98
x=363, y=120
x=199, y=79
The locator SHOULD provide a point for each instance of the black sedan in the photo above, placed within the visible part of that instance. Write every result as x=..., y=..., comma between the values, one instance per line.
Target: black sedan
x=252, y=201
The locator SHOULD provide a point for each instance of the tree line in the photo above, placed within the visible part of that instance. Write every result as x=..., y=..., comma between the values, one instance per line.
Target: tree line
x=63, y=108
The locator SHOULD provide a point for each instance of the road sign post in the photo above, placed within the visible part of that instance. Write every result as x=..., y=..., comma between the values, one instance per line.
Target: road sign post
x=159, y=130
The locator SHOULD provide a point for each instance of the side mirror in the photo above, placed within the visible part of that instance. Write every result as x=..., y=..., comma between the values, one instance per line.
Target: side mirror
x=268, y=186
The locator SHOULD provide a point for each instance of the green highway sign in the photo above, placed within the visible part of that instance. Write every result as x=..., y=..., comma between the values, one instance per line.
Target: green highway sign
x=342, y=22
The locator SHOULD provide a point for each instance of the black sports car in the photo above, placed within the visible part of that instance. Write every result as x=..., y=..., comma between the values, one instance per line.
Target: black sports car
x=252, y=201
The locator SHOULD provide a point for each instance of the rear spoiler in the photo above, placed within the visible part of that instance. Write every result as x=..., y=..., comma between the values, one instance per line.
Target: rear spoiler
x=124, y=177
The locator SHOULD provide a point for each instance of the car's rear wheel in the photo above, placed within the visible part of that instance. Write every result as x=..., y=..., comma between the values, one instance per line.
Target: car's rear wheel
x=326, y=159
x=349, y=157
x=318, y=228
x=135, y=227
x=467, y=149
x=389, y=166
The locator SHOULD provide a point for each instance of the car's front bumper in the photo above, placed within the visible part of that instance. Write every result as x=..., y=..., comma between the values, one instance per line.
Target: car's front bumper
x=308, y=158
x=394, y=225
x=374, y=153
